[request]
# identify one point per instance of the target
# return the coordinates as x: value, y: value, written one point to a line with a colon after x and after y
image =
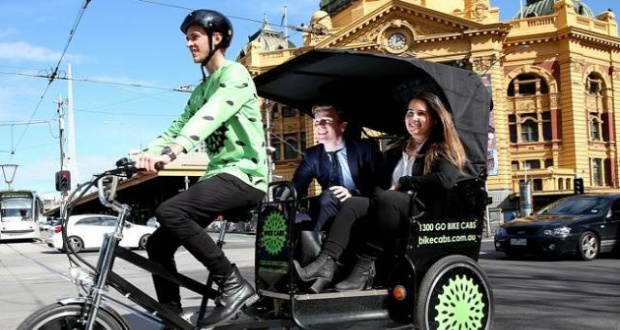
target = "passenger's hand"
x: 147, y: 162
x: 395, y: 186
x: 340, y: 192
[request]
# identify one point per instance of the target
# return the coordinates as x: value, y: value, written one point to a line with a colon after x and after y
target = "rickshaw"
x: 431, y: 280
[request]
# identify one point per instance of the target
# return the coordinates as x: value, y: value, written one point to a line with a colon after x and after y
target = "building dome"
x: 536, y: 8
x: 267, y: 39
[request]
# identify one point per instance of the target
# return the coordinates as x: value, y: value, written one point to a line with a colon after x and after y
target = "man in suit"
x: 342, y: 167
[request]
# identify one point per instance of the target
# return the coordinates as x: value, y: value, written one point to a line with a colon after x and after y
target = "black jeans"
x: 389, y: 216
x: 182, y: 221
x: 329, y: 206
x: 338, y: 237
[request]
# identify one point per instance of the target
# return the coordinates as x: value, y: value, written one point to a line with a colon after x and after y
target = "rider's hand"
x: 147, y: 162
x: 340, y: 192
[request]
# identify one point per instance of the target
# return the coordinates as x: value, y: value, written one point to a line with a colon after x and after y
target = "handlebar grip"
x: 159, y: 166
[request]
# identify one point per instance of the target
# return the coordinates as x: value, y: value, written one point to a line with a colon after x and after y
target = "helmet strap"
x: 212, y: 51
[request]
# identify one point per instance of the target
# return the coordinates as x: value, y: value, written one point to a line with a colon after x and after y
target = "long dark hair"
x: 444, y: 140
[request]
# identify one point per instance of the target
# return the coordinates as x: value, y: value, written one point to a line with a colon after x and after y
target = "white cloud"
x: 20, y: 51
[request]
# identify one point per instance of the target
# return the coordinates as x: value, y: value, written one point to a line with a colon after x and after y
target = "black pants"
x: 182, y: 221
x: 390, y: 211
x: 329, y: 206
x: 351, y: 210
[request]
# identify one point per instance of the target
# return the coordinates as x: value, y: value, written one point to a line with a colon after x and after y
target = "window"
x: 275, y: 112
x: 277, y: 146
x: 537, y: 185
x: 288, y: 112
x: 302, y: 141
x: 561, y: 184
x: 514, y: 165
x: 532, y: 164
x: 548, y: 162
x: 546, y: 125
x: 290, y: 146
x: 594, y: 84
x: 512, y: 123
x: 527, y: 84
x: 88, y: 222
x: 595, y: 127
x: 529, y: 131
x: 597, y: 172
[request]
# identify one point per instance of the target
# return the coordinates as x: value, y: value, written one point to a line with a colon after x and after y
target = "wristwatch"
x: 168, y: 152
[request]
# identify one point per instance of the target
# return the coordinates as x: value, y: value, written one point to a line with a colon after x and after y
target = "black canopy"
x: 372, y: 89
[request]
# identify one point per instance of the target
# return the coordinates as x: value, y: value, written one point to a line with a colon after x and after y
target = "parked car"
x: 85, y: 232
x: 585, y: 225
x: 49, y: 224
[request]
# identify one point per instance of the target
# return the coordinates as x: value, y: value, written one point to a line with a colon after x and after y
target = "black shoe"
x: 310, y: 242
x: 361, y: 276
x: 235, y: 294
x: 321, y: 271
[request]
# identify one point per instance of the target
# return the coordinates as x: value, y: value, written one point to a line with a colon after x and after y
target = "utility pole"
x: 71, y: 126
x: 61, y: 129
x: 61, y: 137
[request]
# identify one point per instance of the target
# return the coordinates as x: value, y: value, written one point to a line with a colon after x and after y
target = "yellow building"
x: 552, y: 71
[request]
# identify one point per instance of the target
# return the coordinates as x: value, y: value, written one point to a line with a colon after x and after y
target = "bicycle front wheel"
x: 69, y: 317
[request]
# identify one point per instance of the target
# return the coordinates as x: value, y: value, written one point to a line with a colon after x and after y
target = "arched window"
x: 529, y: 131
x: 527, y: 84
x: 290, y: 146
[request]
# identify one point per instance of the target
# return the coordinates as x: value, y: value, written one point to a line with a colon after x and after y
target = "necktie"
x: 335, y: 172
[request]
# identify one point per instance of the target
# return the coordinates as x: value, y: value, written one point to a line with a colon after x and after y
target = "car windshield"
x: 577, y: 205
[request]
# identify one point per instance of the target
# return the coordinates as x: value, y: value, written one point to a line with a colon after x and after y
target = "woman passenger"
x: 426, y: 162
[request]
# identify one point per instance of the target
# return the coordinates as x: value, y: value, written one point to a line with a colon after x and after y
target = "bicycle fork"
x: 104, y: 266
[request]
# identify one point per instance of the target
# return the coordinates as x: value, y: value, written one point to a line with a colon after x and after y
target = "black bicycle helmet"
x: 211, y: 21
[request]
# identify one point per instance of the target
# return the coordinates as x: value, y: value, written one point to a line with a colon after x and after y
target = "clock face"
x: 397, y: 41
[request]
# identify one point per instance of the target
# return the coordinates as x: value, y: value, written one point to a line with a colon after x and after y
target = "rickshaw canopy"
x: 373, y: 90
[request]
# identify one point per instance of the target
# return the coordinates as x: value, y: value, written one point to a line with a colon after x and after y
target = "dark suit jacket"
x: 363, y: 157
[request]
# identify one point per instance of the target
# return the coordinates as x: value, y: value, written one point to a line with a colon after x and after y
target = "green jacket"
x: 224, y: 112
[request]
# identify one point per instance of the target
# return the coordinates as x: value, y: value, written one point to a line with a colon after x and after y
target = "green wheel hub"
x: 460, y: 305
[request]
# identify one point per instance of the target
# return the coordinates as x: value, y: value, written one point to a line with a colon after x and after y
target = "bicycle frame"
x: 104, y: 276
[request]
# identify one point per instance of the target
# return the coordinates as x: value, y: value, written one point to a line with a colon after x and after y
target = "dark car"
x: 585, y: 225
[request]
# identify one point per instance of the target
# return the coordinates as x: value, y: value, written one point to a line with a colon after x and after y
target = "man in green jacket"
x: 223, y: 111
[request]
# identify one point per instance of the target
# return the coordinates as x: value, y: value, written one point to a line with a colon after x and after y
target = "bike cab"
x: 433, y: 267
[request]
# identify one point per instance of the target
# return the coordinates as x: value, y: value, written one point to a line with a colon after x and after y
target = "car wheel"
x: 588, y: 246
x: 143, y: 241
x: 75, y: 244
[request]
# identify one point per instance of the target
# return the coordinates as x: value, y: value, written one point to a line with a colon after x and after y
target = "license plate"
x: 518, y: 241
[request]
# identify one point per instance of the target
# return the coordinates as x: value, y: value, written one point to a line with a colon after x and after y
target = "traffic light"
x: 578, y: 186
x: 63, y: 181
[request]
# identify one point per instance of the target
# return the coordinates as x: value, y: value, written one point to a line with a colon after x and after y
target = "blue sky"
x: 127, y: 42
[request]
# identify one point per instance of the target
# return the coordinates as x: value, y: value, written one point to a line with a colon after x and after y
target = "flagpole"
x: 285, y: 21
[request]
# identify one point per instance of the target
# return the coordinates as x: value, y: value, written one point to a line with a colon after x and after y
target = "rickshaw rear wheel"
x: 454, y: 294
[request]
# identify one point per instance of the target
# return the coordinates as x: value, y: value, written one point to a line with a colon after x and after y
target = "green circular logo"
x: 460, y: 305
x: 274, y: 233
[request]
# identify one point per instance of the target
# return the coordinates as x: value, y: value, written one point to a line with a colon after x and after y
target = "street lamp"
x: 8, y: 171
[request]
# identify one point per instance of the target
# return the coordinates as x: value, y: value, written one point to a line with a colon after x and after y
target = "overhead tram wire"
x: 290, y: 26
x: 183, y: 89
x: 55, y: 71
